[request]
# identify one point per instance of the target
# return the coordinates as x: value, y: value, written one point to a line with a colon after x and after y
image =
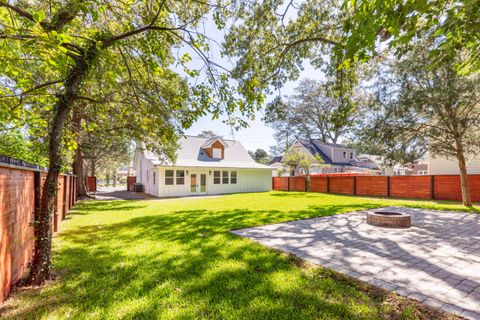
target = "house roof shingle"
x: 313, y: 146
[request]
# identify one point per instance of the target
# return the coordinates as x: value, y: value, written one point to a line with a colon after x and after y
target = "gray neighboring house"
x: 338, y: 157
x: 276, y: 164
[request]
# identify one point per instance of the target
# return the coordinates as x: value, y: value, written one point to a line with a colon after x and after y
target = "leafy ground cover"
x: 176, y: 259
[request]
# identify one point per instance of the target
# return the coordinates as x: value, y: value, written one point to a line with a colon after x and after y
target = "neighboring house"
x: 338, y: 157
x: 418, y: 168
x: 440, y: 165
x: 276, y: 165
x: 125, y: 170
x: 203, y: 166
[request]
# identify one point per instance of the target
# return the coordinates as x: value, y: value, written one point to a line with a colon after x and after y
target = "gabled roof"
x: 275, y: 160
x: 209, y: 142
x: 313, y: 146
x: 191, y: 153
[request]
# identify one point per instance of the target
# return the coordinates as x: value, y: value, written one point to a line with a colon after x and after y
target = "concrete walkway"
x: 118, y: 193
x: 437, y: 261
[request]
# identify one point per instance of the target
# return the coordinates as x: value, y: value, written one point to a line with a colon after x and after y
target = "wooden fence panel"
x: 17, y: 206
x: 20, y: 195
x: 280, y: 183
x: 92, y: 184
x: 342, y: 185
x: 444, y: 187
x: 372, y: 186
x: 131, y: 180
x: 297, y: 183
x: 318, y: 184
x: 415, y: 187
x: 447, y: 187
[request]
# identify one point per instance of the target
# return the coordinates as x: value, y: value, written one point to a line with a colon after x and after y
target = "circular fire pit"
x: 389, y: 219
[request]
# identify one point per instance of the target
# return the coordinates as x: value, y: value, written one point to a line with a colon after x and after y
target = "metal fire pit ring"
x: 389, y: 219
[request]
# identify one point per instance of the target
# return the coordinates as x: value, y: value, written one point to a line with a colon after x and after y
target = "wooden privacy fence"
x: 131, y: 180
x: 21, y: 185
x: 437, y: 187
x: 91, y: 184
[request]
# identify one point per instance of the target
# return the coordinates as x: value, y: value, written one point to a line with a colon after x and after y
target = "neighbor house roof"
x: 313, y: 146
x: 191, y: 153
x: 275, y: 160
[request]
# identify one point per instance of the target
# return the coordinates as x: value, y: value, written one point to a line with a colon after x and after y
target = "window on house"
x: 344, y: 154
x: 180, y: 177
x: 216, y: 177
x: 153, y: 177
x: 351, y: 155
x: 224, y: 177
x: 148, y: 176
x: 233, y: 177
x: 217, y: 153
x: 168, y: 177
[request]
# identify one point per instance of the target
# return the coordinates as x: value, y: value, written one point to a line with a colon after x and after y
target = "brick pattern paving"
x: 437, y: 261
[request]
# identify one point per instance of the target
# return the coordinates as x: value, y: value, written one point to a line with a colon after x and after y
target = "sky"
x: 258, y: 135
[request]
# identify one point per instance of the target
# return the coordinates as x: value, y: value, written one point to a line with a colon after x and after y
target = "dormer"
x: 215, y: 148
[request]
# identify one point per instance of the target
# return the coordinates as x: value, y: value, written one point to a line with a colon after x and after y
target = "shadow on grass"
x: 93, y: 206
x: 186, y: 264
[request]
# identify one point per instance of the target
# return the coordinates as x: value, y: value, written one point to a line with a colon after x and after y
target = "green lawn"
x: 175, y: 258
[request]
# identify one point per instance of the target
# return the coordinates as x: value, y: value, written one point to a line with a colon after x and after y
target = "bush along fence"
x: 21, y: 185
x: 432, y: 187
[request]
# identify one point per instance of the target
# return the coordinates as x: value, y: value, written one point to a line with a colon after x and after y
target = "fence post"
x: 288, y: 183
x: 432, y: 187
x: 328, y: 184
x: 354, y: 185
x: 388, y: 186
x: 64, y: 204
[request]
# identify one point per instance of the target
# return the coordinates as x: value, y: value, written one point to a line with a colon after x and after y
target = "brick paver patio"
x: 437, y: 261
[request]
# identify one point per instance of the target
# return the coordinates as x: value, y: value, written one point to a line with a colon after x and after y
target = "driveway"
x: 437, y: 261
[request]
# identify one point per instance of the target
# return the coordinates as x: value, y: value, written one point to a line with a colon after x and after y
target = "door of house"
x: 198, y: 183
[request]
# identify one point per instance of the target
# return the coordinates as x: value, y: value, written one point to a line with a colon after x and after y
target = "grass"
x: 176, y: 259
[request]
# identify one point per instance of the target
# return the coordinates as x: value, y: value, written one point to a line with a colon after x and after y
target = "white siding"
x: 446, y: 166
x: 248, y: 180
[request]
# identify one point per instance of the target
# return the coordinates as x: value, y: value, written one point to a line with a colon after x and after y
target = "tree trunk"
x: 79, y: 171
x: 40, y: 267
x: 41, y: 264
x: 463, y: 177
x: 114, y: 175
x: 93, y: 167
x: 78, y: 165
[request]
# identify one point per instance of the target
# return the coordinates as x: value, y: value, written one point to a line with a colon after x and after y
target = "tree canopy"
x: 415, y: 109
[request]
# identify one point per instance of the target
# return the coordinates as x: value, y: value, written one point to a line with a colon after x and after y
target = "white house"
x: 440, y: 165
x: 204, y: 166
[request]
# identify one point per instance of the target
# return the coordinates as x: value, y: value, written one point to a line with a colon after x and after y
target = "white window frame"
x: 233, y: 177
x: 225, y: 177
x: 179, y: 176
x: 216, y: 153
x: 217, y: 180
x: 172, y: 177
